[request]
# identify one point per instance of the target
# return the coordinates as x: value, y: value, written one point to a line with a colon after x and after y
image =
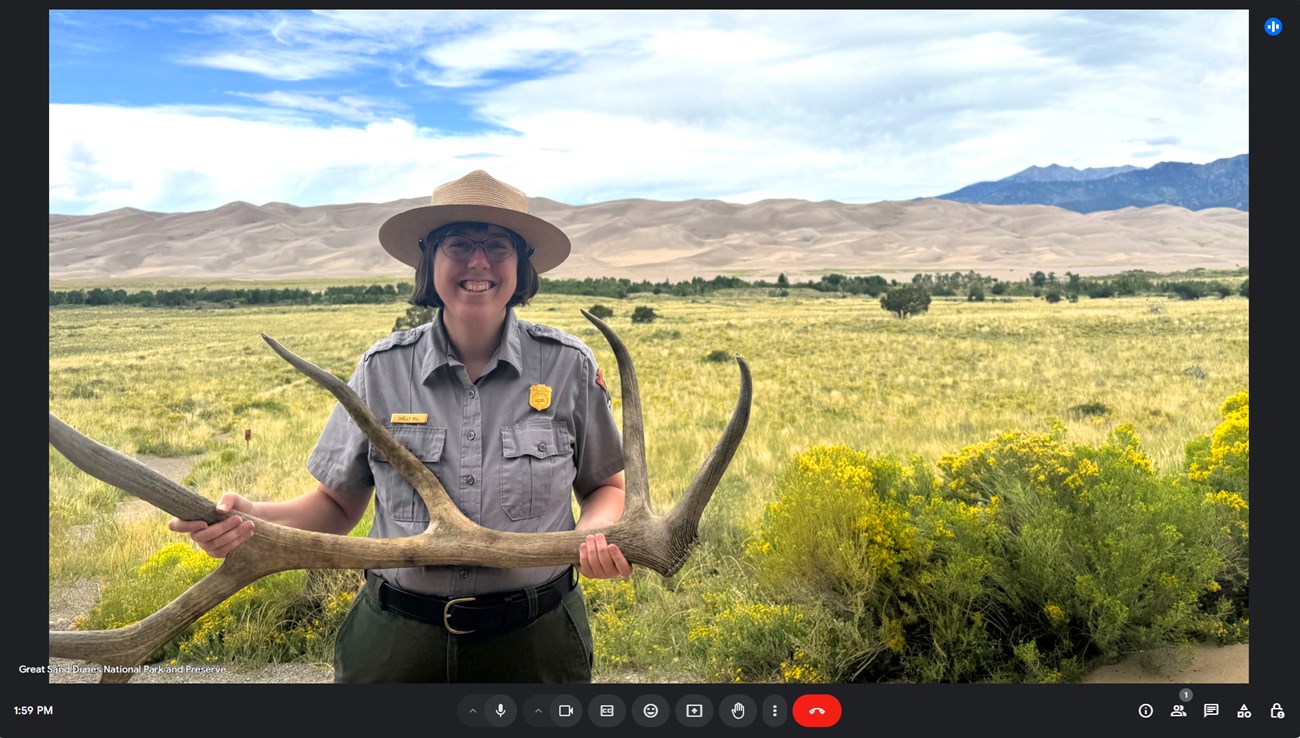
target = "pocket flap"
x: 424, y: 441
x: 539, y: 441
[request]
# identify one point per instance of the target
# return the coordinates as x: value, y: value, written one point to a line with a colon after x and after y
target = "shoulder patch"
x: 400, y: 338
x: 600, y: 380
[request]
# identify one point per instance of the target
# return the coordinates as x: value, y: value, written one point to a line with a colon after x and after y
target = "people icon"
x: 1178, y: 711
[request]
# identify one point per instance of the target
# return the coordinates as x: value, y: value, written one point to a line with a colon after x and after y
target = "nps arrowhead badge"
x: 539, y: 396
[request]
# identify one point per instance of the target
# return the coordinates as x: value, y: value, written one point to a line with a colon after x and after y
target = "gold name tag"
x: 410, y: 418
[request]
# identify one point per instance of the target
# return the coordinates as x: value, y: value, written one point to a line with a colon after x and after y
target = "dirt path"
x: 1203, y: 664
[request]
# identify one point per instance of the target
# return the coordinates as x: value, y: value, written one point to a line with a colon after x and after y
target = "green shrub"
x: 718, y: 355
x: 602, y: 312
x: 1090, y: 409
x: 643, y: 314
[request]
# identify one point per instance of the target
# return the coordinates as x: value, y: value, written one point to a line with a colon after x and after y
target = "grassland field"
x: 827, y: 370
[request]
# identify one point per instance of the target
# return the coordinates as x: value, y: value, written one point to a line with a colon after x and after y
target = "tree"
x: 781, y: 280
x: 643, y: 314
x: 1053, y: 294
x: 1188, y: 290
x: 415, y: 316
x: 1244, y: 290
x: 975, y: 293
x: 1039, y: 279
x: 1073, y: 287
x: 906, y: 300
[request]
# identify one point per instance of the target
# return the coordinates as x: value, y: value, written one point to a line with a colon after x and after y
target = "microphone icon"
x: 501, y: 710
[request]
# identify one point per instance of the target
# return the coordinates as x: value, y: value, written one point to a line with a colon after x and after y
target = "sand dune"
x: 649, y: 239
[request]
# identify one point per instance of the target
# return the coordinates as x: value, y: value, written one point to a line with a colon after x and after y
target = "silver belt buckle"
x: 446, y: 615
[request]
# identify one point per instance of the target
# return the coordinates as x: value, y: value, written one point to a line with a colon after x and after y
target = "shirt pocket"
x: 398, y: 496
x: 537, y: 469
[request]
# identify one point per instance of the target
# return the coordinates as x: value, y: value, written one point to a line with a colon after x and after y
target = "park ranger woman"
x: 512, y: 417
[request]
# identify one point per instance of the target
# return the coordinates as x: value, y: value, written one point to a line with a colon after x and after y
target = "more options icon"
x: 816, y: 710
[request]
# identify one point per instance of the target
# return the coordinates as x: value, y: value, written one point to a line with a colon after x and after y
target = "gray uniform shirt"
x: 504, y: 463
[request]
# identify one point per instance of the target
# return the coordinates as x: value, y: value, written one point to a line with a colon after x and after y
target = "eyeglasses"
x: 461, y: 248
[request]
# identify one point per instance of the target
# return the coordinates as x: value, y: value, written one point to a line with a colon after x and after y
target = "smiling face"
x: 476, y: 290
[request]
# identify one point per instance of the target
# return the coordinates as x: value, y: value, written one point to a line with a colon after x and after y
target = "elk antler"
x: 659, y: 543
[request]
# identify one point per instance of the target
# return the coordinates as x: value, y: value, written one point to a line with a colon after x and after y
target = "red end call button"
x: 816, y: 711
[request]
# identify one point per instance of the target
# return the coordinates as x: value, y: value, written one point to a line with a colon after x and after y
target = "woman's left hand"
x: 600, y: 560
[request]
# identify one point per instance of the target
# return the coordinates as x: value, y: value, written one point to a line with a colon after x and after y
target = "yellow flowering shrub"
x: 267, y: 621
x: 874, y: 542
x: 1222, y: 459
x: 745, y: 641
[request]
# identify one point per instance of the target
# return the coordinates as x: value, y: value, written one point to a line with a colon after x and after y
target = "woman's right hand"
x: 219, y: 538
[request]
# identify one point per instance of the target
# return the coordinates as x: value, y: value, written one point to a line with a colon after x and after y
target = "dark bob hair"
x: 426, y: 295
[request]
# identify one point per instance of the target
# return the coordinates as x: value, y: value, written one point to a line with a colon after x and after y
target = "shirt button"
x: 471, y: 394
x: 464, y: 573
x: 471, y: 435
x: 469, y: 480
x: 541, y: 447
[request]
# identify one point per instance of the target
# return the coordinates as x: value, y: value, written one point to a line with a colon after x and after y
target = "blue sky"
x: 188, y: 110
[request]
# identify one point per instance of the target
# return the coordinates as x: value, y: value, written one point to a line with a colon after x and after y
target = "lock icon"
x: 1276, y: 712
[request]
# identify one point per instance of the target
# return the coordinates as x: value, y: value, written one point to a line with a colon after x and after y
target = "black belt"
x: 477, y: 614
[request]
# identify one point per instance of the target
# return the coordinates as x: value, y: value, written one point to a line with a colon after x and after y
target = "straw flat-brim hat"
x: 476, y: 197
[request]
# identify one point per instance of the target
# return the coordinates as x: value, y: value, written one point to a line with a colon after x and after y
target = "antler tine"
x: 678, y: 532
x: 637, y: 478
x: 412, y: 469
x: 687, y: 511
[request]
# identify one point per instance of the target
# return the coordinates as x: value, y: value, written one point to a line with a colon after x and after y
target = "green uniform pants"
x: 375, y: 645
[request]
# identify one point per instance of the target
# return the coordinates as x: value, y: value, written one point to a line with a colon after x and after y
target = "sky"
x: 187, y: 110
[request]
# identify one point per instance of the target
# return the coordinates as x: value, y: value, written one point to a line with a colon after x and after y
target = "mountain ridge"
x: 1220, y: 183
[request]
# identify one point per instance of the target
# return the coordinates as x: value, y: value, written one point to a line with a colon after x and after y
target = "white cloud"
x: 855, y: 106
